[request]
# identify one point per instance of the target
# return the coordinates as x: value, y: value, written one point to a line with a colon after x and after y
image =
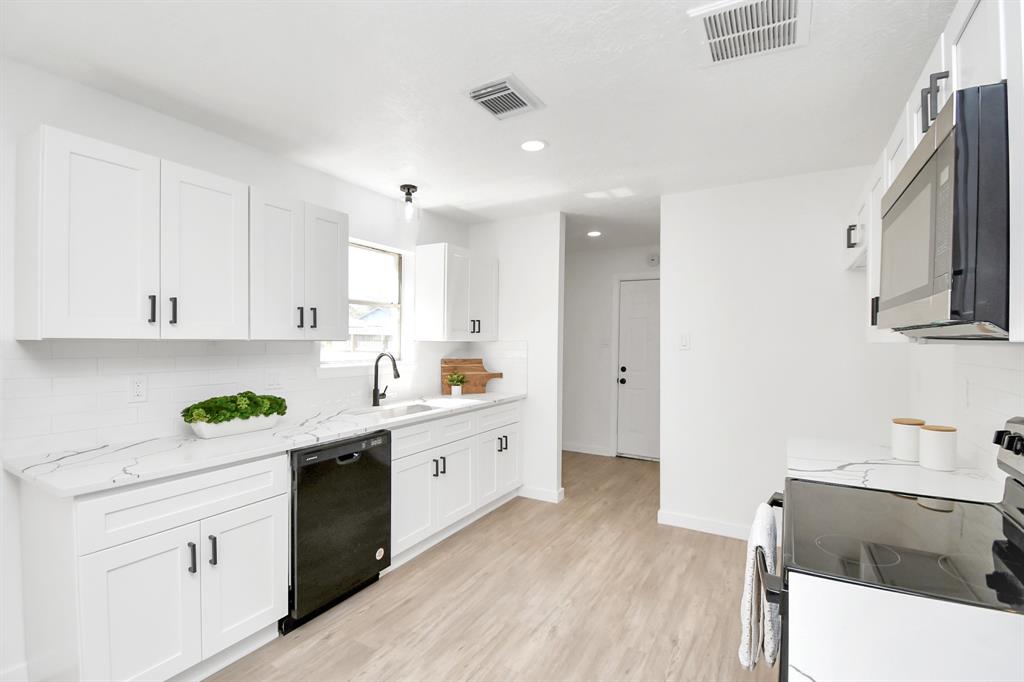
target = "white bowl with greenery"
x: 230, y: 415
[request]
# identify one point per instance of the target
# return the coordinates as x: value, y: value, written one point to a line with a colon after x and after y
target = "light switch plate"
x: 684, y: 342
x: 274, y: 378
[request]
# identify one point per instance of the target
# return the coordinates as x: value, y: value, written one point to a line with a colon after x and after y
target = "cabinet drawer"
x: 119, y: 517
x: 456, y: 428
x: 409, y: 440
x: 496, y: 417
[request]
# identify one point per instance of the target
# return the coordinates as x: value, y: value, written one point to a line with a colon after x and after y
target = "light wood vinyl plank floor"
x: 590, y: 589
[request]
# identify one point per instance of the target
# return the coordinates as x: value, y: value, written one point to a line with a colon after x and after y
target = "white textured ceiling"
x: 375, y: 92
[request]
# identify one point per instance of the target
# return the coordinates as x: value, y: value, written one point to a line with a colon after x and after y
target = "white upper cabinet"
x: 326, y: 274
x: 897, y: 149
x: 88, y: 239
x: 456, y: 294
x: 299, y: 270
x: 977, y: 42
x: 277, y: 265
x: 204, y: 255
x: 920, y: 105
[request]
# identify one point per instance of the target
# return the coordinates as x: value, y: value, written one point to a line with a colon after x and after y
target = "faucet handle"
x: 384, y: 393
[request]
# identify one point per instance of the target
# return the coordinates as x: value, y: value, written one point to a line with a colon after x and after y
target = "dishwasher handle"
x: 344, y: 451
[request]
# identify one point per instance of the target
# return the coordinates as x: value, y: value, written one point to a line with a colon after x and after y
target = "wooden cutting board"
x: 476, y: 376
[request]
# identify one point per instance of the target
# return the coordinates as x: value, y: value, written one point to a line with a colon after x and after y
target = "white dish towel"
x: 759, y: 620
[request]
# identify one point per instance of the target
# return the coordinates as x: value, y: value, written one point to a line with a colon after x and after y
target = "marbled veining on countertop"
x: 873, y: 466
x: 67, y: 473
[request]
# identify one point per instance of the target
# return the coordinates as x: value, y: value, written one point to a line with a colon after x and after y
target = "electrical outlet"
x: 138, y: 388
x: 274, y: 378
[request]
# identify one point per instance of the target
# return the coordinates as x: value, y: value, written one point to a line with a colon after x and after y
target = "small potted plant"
x: 228, y: 415
x: 455, y: 381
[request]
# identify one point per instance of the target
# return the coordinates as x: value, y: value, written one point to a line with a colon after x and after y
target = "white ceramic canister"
x: 905, y: 434
x: 937, y: 448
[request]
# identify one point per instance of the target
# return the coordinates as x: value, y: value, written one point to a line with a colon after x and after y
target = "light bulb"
x: 410, y: 211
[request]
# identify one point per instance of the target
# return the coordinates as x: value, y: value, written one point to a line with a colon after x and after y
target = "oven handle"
x: 771, y: 583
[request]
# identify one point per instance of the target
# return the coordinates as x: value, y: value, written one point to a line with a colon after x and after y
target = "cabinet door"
x: 326, y: 274
x: 485, y: 466
x: 897, y: 150
x: 483, y: 298
x: 510, y: 460
x: 413, y: 503
x: 456, y: 291
x: 245, y: 572
x: 140, y: 607
x: 917, y: 113
x: 978, y: 43
x: 277, y: 257
x: 100, y: 246
x: 455, y: 483
x: 204, y: 255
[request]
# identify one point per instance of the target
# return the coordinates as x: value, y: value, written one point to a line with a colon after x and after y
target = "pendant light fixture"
x: 409, y: 211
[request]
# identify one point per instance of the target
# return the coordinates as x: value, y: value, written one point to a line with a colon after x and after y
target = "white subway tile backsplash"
x: 25, y: 388
x: 82, y: 421
x: 90, y: 384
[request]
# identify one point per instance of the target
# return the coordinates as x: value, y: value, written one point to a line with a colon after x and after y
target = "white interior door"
x: 638, y: 371
x: 204, y: 254
x: 277, y: 251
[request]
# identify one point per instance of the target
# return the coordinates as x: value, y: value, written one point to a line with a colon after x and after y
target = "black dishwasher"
x: 341, y: 522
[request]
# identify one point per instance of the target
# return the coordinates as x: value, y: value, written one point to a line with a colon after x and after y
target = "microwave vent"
x: 734, y: 29
x: 505, y: 98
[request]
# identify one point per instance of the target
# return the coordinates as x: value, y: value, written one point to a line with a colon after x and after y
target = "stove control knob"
x: 1001, y: 434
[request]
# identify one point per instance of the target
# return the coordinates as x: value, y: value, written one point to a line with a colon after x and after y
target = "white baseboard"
x: 543, y: 494
x: 15, y: 673
x: 222, y: 659
x: 587, y: 449
x: 704, y: 525
x: 424, y: 545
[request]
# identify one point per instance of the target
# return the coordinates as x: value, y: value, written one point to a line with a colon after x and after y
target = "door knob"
x: 622, y: 381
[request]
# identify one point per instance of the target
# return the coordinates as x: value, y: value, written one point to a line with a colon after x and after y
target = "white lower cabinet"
x: 196, y: 564
x: 140, y: 608
x: 434, y: 488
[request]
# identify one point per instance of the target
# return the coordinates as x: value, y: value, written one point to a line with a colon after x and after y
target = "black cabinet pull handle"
x: 933, y: 92
x: 302, y: 317
x: 174, y: 310
x: 479, y: 326
x: 850, y: 243
x: 622, y: 381
x: 505, y: 438
x: 501, y: 444
x: 925, y: 118
x: 213, y: 550
x: 152, y: 308
x: 444, y: 465
x: 313, y: 325
x: 192, y: 553
x: 435, y: 468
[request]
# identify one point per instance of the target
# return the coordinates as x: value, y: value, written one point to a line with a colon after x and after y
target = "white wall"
x: 530, y: 293
x: 972, y: 386
x: 753, y: 274
x: 56, y: 394
x: 590, y: 390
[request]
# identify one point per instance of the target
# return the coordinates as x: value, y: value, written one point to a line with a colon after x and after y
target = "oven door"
x: 917, y: 237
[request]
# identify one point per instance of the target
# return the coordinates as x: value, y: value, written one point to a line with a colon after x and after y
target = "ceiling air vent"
x: 504, y: 98
x: 733, y: 29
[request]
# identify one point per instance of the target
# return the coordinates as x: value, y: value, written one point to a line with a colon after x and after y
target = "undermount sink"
x: 451, y: 402
x: 400, y: 410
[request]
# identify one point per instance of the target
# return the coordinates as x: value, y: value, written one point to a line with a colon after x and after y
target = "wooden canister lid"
x: 937, y: 427
x: 907, y: 421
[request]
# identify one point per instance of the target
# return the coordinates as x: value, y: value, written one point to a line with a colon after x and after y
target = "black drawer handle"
x: 501, y: 444
x: 302, y: 317
x: 192, y: 553
x: 152, y: 308
x: 213, y: 550
x: 313, y: 325
x: 174, y: 310
x: 444, y: 465
x: 505, y: 438
x: 435, y: 468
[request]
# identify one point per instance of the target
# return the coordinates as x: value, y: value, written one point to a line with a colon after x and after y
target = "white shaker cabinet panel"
x: 977, y: 45
x: 244, y: 566
x: 485, y: 467
x: 456, y: 294
x: 510, y: 459
x: 204, y: 255
x: 483, y: 298
x: 919, y: 109
x: 88, y: 239
x: 326, y: 274
x: 897, y: 150
x: 413, y: 499
x: 140, y: 607
x: 455, y: 481
x: 277, y: 250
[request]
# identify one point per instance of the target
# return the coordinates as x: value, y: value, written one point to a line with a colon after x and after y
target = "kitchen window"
x: 374, y: 308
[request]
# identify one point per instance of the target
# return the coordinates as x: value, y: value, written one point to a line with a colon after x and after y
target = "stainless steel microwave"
x: 945, y: 264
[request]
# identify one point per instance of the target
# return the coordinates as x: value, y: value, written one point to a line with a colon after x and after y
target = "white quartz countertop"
x: 873, y: 466
x: 68, y: 473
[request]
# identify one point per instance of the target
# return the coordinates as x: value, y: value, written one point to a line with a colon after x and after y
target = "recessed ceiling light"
x: 596, y: 195
x: 593, y: 233
x: 533, y: 145
x: 621, y: 192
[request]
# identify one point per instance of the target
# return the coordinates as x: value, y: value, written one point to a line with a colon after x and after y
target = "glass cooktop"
x: 948, y: 549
